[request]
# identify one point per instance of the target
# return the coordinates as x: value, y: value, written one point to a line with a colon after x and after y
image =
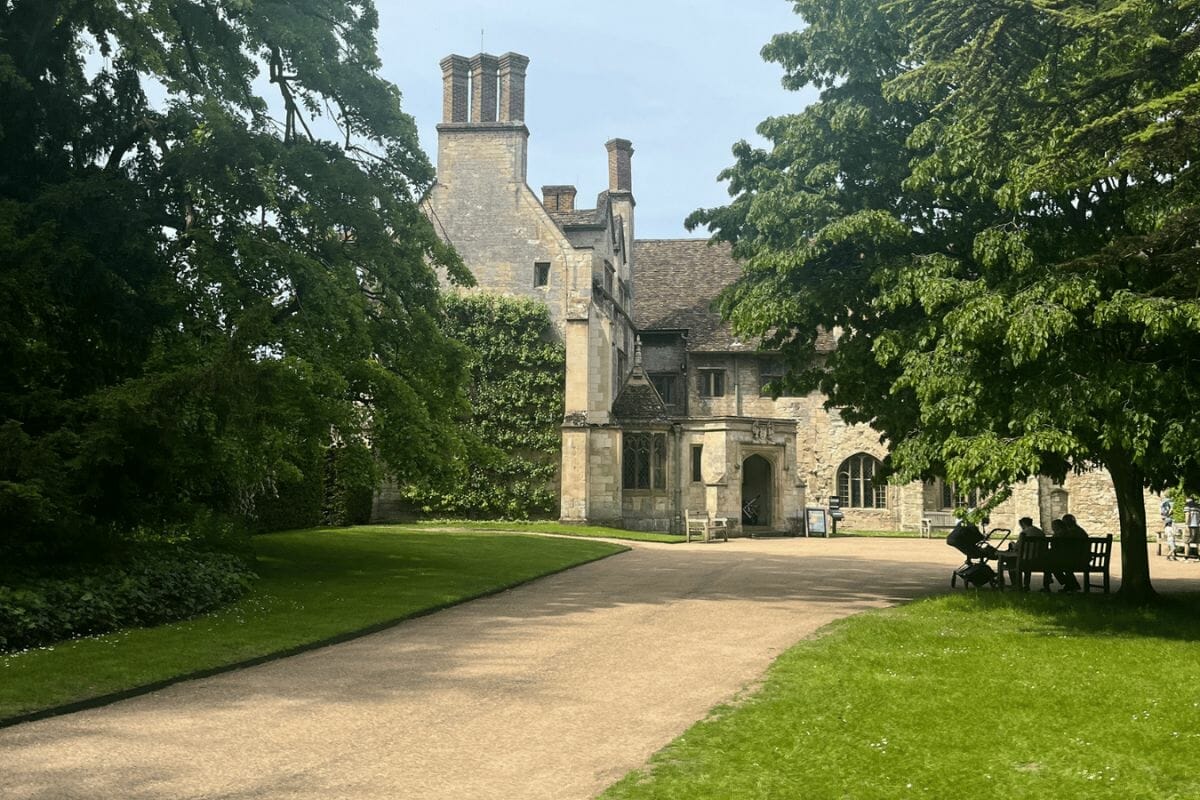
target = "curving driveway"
x: 552, y: 690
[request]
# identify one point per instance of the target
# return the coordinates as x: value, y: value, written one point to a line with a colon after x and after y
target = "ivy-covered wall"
x: 517, y: 374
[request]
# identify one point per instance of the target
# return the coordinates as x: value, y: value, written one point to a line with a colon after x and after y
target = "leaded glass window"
x: 856, y: 482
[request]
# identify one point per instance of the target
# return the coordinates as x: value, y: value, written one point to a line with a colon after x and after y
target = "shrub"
x: 149, y: 587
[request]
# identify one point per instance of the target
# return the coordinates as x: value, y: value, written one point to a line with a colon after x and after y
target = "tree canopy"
x: 212, y: 261
x: 996, y: 205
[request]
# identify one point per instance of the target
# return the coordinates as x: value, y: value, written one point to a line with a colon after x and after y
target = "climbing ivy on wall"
x: 516, y: 391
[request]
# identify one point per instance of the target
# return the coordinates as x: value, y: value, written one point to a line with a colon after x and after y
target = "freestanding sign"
x: 814, y: 522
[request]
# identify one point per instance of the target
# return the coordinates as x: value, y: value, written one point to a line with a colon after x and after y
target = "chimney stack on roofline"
x: 483, y: 88
x: 558, y: 198
x: 512, y: 87
x: 485, y: 70
x: 620, y: 166
x: 455, y: 85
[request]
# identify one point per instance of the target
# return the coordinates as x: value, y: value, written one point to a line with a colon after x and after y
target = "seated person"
x: 1069, y: 541
x: 1027, y: 529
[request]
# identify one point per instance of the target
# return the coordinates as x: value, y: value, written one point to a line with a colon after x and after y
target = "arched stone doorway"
x: 758, y: 496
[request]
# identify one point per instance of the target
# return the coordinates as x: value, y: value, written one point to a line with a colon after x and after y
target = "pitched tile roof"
x: 586, y: 217
x: 639, y: 400
x: 676, y: 282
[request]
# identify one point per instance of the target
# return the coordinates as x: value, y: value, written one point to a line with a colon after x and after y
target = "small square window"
x: 712, y: 382
x: 664, y: 382
x: 541, y: 273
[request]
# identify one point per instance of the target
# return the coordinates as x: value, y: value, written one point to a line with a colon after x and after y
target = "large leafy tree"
x: 997, y: 205
x: 212, y: 263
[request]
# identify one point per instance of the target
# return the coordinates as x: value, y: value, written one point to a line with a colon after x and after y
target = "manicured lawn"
x: 552, y: 527
x: 314, y: 586
x: 975, y: 696
x: 885, y: 534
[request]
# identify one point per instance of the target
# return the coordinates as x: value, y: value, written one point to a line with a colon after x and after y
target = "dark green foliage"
x: 350, y: 477
x: 996, y: 204
x: 293, y: 505
x: 337, y: 487
x: 146, y: 588
x: 199, y: 295
x: 516, y: 392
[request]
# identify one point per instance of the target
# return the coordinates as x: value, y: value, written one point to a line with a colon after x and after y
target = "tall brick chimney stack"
x: 482, y: 136
x: 512, y: 87
x: 620, y: 157
x: 485, y: 70
x: 455, y: 102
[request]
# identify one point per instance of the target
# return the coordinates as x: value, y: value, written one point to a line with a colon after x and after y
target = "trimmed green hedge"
x: 147, y: 588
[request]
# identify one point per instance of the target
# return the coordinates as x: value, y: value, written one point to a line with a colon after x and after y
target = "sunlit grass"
x: 982, y: 695
x: 544, y: 526
x: 314, y: 585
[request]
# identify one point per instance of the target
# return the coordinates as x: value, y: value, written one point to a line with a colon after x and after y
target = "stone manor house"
x: 665, y: 409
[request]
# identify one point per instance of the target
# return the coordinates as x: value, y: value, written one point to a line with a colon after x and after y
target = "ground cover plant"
x: 313, y: 586
x: 983, y: 695
x: 545, y: 526
x: 143, y: 588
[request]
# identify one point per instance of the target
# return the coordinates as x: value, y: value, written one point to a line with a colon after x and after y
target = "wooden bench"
x: 937, y: 520
x: 1090, y: 556
x: 705, y: 527
x: 1185, y: 547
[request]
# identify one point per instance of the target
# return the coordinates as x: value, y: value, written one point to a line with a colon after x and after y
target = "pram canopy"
x: 965, y: 538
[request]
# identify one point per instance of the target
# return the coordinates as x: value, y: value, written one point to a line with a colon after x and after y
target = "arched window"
x: 644, y: 461
x: 856, y: 482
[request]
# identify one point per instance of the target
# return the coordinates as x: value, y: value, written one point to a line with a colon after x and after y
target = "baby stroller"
x: 972, y: 543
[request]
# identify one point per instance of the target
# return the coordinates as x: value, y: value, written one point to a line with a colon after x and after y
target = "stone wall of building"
x: 481, y: 190
x: 604, y: 476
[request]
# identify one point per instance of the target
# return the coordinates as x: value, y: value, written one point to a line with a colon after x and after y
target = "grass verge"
x: 551, y: 527
x: 983, y: 695
x: 314, y: 586
x: 884, y: 534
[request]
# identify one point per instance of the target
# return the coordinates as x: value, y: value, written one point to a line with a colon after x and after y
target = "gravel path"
x: 552, y: 690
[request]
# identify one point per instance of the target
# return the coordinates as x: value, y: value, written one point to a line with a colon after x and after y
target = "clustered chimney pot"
x: 512, y: 87
x: 620, y: 165
x: 485, y: 70
x: 455, y: 102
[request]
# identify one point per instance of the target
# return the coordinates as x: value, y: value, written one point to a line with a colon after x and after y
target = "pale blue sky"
x: 682, y: 80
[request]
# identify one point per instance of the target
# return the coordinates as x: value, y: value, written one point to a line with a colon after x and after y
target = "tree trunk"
x: 1131, y: 508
